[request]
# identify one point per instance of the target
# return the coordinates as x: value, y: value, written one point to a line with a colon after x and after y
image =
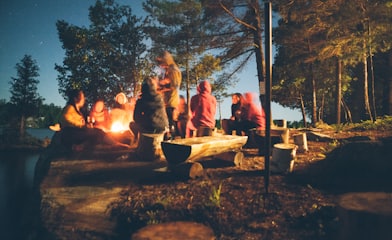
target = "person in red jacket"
x: 203, y: 108
x: 255, y: 116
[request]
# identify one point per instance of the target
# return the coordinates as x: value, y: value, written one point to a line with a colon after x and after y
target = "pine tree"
x: 24, y: 94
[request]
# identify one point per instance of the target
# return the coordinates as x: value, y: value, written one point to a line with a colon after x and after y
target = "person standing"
x: 203, y: 108
x: 169, y: 87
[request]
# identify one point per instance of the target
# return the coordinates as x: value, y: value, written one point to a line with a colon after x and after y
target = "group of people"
x: 158, y: 109
x: 78, y: 134
x: 245, y: 115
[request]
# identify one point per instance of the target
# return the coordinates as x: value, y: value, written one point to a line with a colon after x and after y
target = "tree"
x: 49, y: 114
x: 177, y: 26
x: 236, y: 30
x: 24, y: 94
x: 228, y: 30
x: 107, y: 57
x: 322, y: 32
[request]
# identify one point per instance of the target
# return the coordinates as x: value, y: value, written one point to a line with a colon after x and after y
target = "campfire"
x: 120, y: 120
x: 120, y: 131
x: 118, y: 126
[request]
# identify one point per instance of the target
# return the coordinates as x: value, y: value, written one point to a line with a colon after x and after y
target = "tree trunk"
x: 22, y: 127
x: 347, y: 112
x: 372, y: 75
x: 368, y: 113
x: 321, y: 109
x: 374, y: 112
x: 314, y: 96
x: 338, y: 90
x: 303, y: 110
x: 389, y: 110
x: 188, y: 94
x: 259, y: 53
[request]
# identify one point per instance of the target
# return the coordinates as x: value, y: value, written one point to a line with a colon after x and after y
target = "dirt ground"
x: 234, y: 203
x: 231, y: 200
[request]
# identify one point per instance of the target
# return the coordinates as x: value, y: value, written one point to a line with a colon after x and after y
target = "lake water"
x: 16, y: 179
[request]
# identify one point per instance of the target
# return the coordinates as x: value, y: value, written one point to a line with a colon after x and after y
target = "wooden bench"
x: 183, y: 154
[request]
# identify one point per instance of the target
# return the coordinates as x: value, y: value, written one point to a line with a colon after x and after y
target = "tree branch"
x: 235, y: 18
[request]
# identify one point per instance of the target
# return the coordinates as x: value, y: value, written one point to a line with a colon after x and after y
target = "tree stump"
x: 175, y: 231
x: 366, y: 215
x: 149, y: 146
x: 277, y: 134
x: 188, y: 169
x: 283, y: 155
x: 301, y: 141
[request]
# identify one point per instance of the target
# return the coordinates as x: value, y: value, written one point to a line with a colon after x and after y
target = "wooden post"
x: 301, y: 141
x: 365, y: 215
x: 283, y: 155
x: 149, y: 146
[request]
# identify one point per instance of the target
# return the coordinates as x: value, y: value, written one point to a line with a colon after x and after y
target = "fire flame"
x: 118, y: 127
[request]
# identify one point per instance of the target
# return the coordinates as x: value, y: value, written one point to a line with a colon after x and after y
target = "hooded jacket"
x: 150, y: 114
x: 255, y: 113
x: 203, y: 106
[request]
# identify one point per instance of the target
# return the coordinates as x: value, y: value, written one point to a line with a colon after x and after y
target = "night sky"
x: 29, y: 27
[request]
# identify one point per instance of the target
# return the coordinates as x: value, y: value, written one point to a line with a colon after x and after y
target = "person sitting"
x: 99, y: 116
x: 122, y: 113
x: 149, y: 114
x: 203, y: 109
x: 75, y: 134
x: 255, y: 115
x: 183, y: 117
x: 238, y: 112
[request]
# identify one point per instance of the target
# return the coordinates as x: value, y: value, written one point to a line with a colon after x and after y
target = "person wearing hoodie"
x: 255, y: 117
x: 169, y: 86
x: 203, y: 108
x: 149, y: 115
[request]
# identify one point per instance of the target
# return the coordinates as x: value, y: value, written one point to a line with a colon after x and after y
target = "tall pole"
x: 268, y: 80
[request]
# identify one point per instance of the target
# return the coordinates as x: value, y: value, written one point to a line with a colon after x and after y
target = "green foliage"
x: 177, y: 26
x: 215, y: 196
x: 152, y: 217
x: 105, y: 58
x: 295, y: 124
x: 24, y: 94
x: 381, y: 124
x: 48, y: 115
x: 311, y: 36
